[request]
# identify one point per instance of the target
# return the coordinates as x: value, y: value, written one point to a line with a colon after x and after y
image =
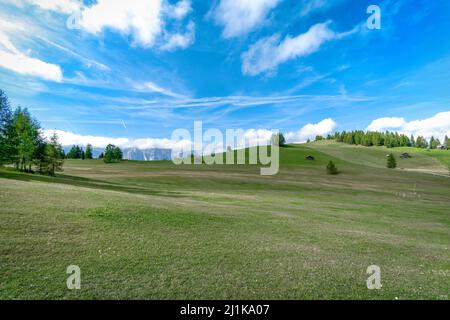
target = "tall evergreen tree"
x: 421, y: 142
x: 413, y: 141
x: 434, y: 143
x: 7, y: 149
x: 55, y: 155
x: 28, y: 138
x: 88, y: 151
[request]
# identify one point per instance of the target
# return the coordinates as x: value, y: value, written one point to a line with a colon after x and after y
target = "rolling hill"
x: 153, y: 230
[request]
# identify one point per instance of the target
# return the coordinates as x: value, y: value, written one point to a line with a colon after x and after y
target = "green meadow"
x: 154, y: 230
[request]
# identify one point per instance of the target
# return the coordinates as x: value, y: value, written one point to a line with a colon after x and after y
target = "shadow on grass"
x: 84, y: 182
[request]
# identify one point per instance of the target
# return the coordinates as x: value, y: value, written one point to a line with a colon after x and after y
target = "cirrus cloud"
x: 266, y: 54
x: 13, y: 59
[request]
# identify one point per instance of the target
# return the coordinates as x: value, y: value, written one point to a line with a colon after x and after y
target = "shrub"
x: 391, y: 163
x: 331, y: 168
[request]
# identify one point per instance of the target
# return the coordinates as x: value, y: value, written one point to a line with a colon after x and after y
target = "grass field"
x: 153, y: 230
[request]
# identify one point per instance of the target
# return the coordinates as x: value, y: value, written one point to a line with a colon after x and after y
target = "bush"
x: 331, y: 168
x: 391, y: 163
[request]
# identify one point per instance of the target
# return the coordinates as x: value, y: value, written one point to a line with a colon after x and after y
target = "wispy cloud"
x: 153, y: 87
x: 60, y: 6
x: 265, y: 55
x: 239, y: 17
x: 13, y: 59
x: 87, y: 61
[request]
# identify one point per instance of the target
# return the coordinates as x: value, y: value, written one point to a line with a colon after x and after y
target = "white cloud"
x: 139, y: 18
x: 266, y: 54
x: 238, y: 17
x: 179, y: 10
x: 437, y: 126
x: 180, y: 40
x: 14, y: 60
x: 382, y: 124
x: 310, y: 131
x: 147, y: 22
x: 69, y: 139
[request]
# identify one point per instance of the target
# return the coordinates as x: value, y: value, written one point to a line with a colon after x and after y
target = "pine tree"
x: 75, y: 153
x: 421, y: 142
x: 447, y: 142
x: 28, y: 139
x: 391, y: 162
x: 88, y: 151
x: 118, y: 155
x: 434, y: 143
x: 331, y: 168
x: 50, y: 156
x: 6, y: 148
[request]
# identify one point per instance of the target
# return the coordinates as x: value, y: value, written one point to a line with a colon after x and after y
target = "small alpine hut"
x: 310, y: 158
x: 405, y: 155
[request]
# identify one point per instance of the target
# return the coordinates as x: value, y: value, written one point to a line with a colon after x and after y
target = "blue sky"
x: 142, y: 68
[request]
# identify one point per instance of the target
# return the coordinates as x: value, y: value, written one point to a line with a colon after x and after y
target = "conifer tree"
x: 331, y: 168
x: 391, y: 162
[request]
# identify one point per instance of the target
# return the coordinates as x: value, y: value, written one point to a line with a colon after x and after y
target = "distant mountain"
x: 147, y: 154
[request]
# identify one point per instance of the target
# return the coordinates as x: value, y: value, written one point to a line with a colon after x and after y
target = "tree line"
x: 22, y: 143
x: 111, y: 153
x: 388, y: 139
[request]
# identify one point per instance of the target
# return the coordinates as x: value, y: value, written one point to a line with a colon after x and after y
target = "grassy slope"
x: 431, y: 161
x: 155, y: 230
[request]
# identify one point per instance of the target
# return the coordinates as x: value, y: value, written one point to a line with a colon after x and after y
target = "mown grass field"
x: 159, y: 231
